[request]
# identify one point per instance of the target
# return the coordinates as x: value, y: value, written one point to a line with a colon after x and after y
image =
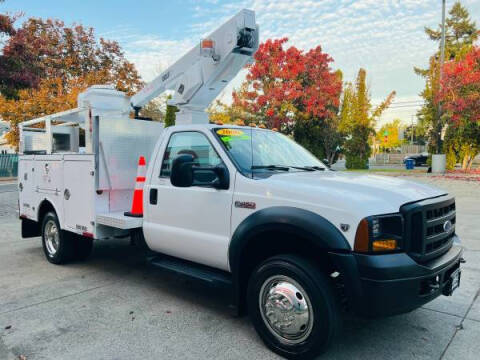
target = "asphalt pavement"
x: 114, y: 306
x: 8, y: 187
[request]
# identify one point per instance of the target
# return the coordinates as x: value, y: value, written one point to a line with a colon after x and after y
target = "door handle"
x: 153, y: 196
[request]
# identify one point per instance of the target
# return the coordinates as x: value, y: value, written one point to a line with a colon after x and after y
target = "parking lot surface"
x: 114, y: 306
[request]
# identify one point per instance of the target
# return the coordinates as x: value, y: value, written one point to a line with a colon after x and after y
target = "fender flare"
x: 304, y: 223
x: 299, y: 222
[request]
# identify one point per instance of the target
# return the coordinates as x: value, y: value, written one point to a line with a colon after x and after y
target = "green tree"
x: 460, y: 34
x: 418, y: 134
x: 155, y: 109
x: 357, y: 121
x: 170, y: 114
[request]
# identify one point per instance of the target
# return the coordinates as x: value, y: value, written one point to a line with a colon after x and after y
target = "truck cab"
x: 252, y: 204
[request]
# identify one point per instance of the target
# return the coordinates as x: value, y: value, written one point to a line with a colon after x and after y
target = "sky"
x: 386, y: 37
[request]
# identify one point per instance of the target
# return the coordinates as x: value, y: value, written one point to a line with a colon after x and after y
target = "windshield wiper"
x: 287, y: 167
x: 306, y: 168
x: 319, y: 168
x: 270, y: 167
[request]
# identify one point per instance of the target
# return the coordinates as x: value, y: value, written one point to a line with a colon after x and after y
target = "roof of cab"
x: 213, y: 126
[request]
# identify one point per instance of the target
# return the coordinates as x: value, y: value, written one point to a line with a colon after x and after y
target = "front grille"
x: 429, y: 227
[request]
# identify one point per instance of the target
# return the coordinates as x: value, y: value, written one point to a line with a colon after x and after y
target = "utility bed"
x: 85, y: 165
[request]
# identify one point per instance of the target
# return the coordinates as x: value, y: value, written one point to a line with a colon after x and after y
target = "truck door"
x: 191, y: 223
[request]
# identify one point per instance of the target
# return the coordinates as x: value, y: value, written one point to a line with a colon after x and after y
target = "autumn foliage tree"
x: 20, y: 60
x: 357, y: 120
x: 60, y: 62
x: 460, y: 35
x: 460, y: 98
x: 294, y: 91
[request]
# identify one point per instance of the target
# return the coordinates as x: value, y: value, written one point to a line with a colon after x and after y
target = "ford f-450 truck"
x: 236, y: 206
x: 251, y: 209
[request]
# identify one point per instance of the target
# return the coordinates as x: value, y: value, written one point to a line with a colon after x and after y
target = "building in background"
x: 5, y: 148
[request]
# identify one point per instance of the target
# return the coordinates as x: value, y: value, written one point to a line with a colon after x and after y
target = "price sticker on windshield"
x: 228, y: 135
x: 230, y: 132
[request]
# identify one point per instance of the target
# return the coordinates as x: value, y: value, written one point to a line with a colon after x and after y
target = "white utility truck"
x: 236, y: 206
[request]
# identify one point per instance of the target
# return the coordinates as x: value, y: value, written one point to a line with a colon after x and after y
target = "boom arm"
x: 201, y: 74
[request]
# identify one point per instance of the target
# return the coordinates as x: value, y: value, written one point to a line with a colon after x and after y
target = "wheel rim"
x: 52, y: 237
x: 286, y: 309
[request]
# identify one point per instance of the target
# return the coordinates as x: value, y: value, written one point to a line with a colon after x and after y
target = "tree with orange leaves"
x: 63, y: 61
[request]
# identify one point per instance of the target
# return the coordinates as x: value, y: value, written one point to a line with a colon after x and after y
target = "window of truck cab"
x: 250, y: 148
x: 193, y: 143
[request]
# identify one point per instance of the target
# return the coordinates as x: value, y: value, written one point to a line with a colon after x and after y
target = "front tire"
x: 293, y: 307
x: 57, y: 244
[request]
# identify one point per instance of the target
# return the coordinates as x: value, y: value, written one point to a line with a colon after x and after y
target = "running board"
x: 192, y: 270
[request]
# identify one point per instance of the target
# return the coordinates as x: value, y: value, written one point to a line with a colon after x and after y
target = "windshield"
x: 256, y: 151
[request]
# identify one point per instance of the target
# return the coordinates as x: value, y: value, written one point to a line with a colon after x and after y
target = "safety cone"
x: 137, y: 202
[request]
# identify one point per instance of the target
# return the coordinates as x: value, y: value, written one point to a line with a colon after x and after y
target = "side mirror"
x: 186, y: 173
x: 181, y: 174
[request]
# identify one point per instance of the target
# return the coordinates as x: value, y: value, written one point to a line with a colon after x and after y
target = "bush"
x: 451, y: 159
x: 356, y: 162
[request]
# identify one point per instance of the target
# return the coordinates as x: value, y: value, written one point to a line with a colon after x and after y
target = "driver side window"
x: 192, y: 143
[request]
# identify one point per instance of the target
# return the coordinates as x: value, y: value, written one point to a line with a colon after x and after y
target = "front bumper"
x: 382, y: 285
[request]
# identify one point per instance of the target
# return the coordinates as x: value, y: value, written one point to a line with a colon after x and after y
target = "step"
x: 192, y: 270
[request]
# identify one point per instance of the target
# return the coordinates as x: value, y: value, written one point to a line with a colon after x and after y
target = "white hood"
x: 361, y: 193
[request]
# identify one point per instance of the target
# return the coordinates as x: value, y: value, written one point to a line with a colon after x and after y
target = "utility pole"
x: 411, y: 130
x: 442, y: 61
x: 442, y: 42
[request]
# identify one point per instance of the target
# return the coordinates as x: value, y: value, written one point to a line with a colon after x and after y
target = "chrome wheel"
x: 286, y: 309
x: 52, y: 237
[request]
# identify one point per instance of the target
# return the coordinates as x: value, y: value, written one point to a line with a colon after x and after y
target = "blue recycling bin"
x: 409, y: 164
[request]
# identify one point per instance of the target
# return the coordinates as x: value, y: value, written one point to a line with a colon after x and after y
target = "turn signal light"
x: 384, y: 245
x: 361, y: 237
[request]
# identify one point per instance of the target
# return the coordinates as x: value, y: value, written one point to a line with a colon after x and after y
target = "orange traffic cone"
x: 137, y: 202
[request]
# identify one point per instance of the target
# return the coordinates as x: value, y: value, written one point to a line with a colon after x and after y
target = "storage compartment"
x: 78, y: 194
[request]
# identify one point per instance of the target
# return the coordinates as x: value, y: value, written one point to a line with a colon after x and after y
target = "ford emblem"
x: 447, y: 226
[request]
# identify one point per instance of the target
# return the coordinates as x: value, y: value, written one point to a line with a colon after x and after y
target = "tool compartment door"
x: 78, y: 196
x: 26, y: 185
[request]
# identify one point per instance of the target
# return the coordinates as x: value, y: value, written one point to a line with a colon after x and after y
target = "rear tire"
x: 293, y: 307
x: 57, y: 244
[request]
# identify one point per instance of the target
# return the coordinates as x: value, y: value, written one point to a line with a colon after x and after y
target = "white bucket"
x: 439, y: 162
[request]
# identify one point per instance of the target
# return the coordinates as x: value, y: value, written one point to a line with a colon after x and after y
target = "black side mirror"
x: 181, y: 174
x: 186, y: 173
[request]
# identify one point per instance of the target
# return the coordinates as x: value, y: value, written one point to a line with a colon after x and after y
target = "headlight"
x: 376, y: 234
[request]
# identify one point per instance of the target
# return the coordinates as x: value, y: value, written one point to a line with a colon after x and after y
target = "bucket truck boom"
x: 201, y: 74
